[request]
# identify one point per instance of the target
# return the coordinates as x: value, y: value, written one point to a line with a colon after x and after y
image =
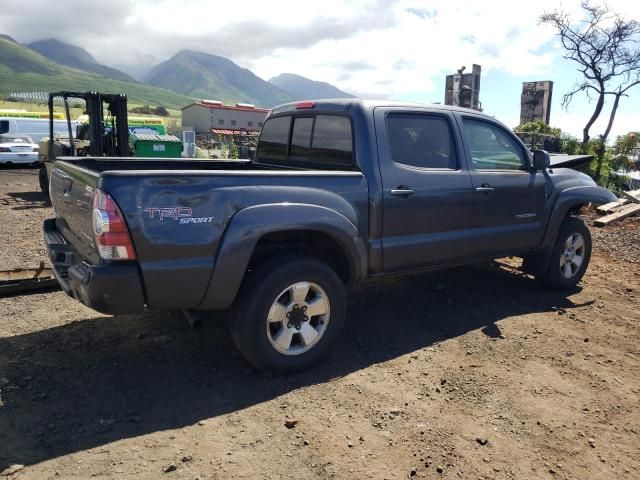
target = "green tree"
x: 538, y: 127
x: 233, y: 150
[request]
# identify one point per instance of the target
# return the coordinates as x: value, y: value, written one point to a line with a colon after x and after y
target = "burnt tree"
x: 606, y: 48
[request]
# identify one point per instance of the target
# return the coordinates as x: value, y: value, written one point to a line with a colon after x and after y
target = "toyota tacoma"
x: 339, y: 191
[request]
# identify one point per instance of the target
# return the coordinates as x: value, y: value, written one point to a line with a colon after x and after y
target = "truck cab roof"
x: 346, y: 104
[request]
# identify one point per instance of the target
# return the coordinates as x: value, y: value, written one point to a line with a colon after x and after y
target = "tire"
x: 271, y: 312
x: 43, y: 178
x: 569, y: 257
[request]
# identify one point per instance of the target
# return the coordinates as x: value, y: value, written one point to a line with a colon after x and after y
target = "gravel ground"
x: 468, y: 373
x: 621, y: 240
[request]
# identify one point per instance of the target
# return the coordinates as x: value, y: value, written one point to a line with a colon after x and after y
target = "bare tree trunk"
x: 592, y: 120
x: 605, y: 135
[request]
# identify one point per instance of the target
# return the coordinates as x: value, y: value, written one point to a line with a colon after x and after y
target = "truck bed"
x: 177, y: 253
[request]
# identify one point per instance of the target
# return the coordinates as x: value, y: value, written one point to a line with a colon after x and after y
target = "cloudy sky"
x: 376, y: 49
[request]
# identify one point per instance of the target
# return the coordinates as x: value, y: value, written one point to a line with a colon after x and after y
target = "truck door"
x: 509, y: 197
x: 427, y: 195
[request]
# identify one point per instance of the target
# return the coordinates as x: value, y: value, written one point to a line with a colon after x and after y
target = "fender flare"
x: 247, y: 226
x: 566, y: 200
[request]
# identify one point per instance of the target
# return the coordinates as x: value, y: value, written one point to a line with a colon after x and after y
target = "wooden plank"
x: 629, y: 196
x: 627, y: 211
x: 611, y: 206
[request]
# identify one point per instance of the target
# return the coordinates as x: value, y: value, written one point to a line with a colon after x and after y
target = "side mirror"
x: 541, y: 160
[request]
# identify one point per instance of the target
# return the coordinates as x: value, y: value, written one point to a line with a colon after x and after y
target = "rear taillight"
x: 36, y: 149
x: 110, y: 230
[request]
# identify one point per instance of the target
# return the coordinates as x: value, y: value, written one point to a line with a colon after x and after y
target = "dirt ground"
x: 472, y: 373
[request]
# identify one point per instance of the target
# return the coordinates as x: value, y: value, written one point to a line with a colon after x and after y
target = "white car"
x: 18, y: 149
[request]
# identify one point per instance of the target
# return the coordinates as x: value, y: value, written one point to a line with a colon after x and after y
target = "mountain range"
x: 303, y: 88
x: 203, y: 75
x: 76, y: 57
x: 48, y: 65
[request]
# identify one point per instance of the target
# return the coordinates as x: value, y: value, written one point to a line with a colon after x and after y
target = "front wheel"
x: 570, y: 256
x: 288, y: 313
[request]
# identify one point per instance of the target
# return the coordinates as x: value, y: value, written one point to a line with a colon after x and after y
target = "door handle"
x: 402, y: 191
x: 485, y: 188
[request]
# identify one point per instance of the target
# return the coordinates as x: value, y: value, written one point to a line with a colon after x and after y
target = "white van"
x: 36, y: 128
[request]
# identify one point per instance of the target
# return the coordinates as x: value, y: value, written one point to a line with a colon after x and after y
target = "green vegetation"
x: 22, y: 69
x: 538, y: 127
x: 160, y: 111
x: 233, y: 150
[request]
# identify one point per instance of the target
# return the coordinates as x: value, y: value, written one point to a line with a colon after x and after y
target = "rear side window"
x: 323, y: 141
x: 4, y: 126
x: 421, y: 140
x: 274, y: 139
x: 332, y: 143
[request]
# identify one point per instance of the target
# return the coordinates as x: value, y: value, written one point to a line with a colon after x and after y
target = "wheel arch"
x: 569, y: 202
x: 256, y: 233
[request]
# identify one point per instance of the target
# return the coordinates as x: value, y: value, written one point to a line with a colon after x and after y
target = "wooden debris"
x: 612, y: 206
x: 632, y: 196
x: 624, y: 212
x: 629, y: 196
x: 22, y: 280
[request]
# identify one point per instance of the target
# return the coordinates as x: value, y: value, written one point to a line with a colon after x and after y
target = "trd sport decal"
x: 181, y: 214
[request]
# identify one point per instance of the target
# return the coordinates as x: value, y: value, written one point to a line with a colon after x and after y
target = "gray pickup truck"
x: 340, y: 191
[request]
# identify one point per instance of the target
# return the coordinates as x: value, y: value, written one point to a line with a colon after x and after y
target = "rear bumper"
x: 107, y: 288
x: 19, y: 157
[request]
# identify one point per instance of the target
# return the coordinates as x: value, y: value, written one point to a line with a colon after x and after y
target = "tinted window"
x: 274, y: 139
x: 323, y: 141
x: 301, y: 137
x: 491, y: 147
x: 421, y: 141
x: 4, y: 126
x: 332, y: 143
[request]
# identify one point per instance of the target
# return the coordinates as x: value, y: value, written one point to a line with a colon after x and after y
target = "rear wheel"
x: 287, y: 314
x: 570, y: 255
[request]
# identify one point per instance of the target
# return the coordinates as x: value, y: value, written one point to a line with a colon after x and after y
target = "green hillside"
x: 76, y: 57
x: 209, y: 76
x: 22, y: 69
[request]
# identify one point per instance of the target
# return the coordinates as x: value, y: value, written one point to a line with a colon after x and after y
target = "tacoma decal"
x: 181, y: 214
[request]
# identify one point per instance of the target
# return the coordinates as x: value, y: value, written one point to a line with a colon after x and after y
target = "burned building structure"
x: 535, y: 102
x: 463, y: 89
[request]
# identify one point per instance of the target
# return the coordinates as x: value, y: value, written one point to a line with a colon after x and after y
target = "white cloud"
x: 375, y: 48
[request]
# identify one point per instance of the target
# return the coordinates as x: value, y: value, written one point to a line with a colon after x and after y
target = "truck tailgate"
x: 71, y: 192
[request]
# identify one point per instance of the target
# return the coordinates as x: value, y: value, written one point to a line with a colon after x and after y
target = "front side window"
x: 491, y: 147
x: 421, y: 140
